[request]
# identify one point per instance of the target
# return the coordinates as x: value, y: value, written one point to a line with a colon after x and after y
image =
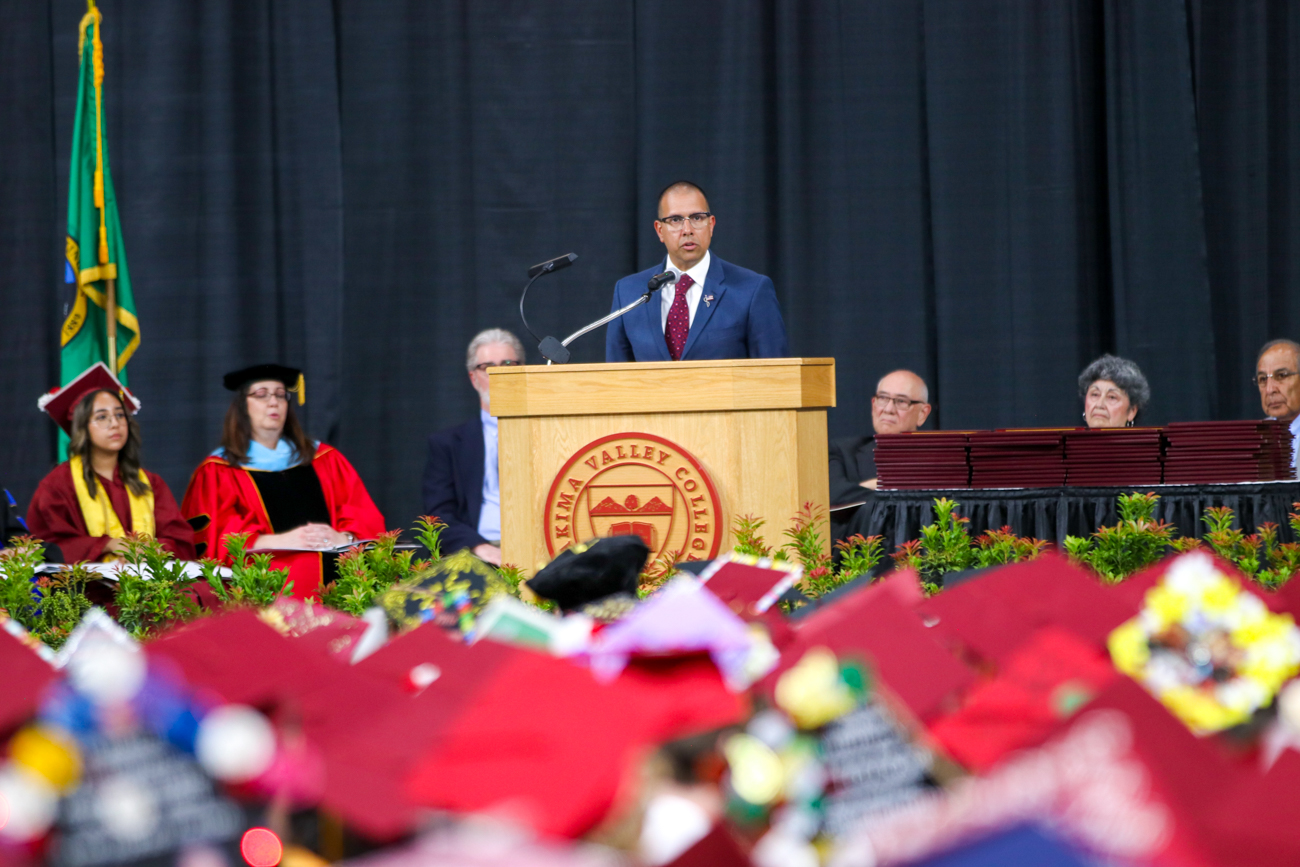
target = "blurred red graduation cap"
x: 908, y: 659
x: 26, y: 676
x: 547, y: 745
x: 994, y: 614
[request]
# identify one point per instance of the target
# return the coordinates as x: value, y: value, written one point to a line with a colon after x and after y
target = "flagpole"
x: 111, y: 311
x: 110, y: 308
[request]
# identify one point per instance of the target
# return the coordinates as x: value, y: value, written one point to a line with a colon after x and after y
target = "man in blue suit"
x: 712, y: 309
x: 461, y: 483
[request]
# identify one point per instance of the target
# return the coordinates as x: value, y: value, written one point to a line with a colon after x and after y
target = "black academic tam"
x: 237, y: 379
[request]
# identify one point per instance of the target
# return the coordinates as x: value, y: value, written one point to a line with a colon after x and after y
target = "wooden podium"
x: 671, y: 451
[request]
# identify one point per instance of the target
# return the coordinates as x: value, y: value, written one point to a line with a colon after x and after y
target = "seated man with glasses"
x: 900, y: 404
x: 1279, y: 386
x: 711, y: 310
x: 461, y: 484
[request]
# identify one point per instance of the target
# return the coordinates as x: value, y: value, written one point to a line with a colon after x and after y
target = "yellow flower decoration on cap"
x: 757, y: 774
x: 1197, y: 611
x: 812, y: 693
x: 49, y: 754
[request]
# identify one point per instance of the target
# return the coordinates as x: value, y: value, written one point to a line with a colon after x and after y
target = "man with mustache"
x: 901, y: 404
x: 1279, y: 386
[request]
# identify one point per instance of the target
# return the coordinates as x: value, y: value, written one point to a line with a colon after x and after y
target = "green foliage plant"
x: 1259, y: 555
x: 858, y: 556
x: 18, y: 564
x: 806, y: 547
x: 999, y: 547
x: 657, y: 571
x: 945, y: 546
x: 1232, y: 544
x: 945, y: 543
x: 365, y: 573
x: 62, y: 605
x: 49, y: 606
x: 1137, y: 541
x: 749, y: 542
x: 156, y: 591
x: 429, y: 532
x: 253, y: 582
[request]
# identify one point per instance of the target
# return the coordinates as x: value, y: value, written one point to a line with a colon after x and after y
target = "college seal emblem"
x: 635, y: 484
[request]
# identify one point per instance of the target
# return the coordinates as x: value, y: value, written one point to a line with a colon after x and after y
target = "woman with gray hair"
x: 1114, y: 391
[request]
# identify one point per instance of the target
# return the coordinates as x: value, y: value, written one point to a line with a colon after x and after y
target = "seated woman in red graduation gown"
x: 88, y: 504
x: 294, y: 497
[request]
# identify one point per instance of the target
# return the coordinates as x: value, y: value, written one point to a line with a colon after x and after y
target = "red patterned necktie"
x: 679, y: 319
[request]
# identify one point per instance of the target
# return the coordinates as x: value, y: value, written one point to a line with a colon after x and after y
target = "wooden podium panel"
x: 755, y: 427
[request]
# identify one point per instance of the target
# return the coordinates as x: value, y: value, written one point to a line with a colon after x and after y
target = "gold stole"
x: 98, y: 512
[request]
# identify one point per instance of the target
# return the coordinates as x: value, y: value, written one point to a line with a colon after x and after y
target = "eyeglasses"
x: 507, y: 363
x: 104, y: 418
x: 902, y: 404
x: 676, y: 221
x: 265, y: 394
x: 1261, y: 379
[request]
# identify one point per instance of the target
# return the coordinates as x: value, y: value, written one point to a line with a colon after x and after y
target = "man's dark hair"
x: 1274, y: 344
x: 683, y: 184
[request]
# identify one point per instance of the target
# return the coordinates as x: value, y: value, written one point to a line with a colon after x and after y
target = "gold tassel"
x: 302, y: 389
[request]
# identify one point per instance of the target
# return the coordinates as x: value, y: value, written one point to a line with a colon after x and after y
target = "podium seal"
x: 635, y: 484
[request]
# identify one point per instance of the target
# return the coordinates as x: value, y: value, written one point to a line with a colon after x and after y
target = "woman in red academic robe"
x: 88, y: 504
x: 293, y: 497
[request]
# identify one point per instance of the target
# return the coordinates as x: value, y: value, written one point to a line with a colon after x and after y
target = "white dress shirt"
x: 693, y: 294
x: 1295, y: 446
x: 489, y: 519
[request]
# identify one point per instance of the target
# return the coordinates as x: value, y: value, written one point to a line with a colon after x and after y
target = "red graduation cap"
x: 26, y: 676
x: 996, y: 613
x: 368, y: 764
x: 546, y: 744
x: 59, y: 403
x: 718, y: 848
x: 1043, y: 683
x: 919, y: 670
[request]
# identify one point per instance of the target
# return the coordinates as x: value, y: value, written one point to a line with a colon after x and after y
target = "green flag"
x: 96, y: 257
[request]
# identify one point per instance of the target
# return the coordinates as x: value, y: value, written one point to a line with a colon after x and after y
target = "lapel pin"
x: 707, y: 299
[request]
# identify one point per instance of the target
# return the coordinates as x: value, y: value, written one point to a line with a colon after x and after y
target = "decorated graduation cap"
x: 450, y: 592
x: 291, y: 377
x: 592, y: 571
x: 59, y: 403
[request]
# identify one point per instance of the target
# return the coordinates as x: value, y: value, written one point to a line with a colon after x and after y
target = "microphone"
x: 552, y: 265
x: 657, y: 281
x: 556, y: 264
x: 558, y: 350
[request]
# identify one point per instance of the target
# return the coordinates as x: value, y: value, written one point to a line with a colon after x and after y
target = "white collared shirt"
x: 1295, y: 446
x: 693, y: 294
x: 489, y: 519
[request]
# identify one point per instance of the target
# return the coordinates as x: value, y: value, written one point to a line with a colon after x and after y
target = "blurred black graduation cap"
x: 591, y: 571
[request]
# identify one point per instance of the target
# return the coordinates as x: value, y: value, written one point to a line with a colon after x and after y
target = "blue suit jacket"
x: 453, y: 483
x: 742, y: 321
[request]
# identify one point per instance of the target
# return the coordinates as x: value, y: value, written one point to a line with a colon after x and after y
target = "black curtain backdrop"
x: 989, y: 192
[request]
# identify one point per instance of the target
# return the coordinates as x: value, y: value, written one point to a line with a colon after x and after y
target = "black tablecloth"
x: 1053, y: 513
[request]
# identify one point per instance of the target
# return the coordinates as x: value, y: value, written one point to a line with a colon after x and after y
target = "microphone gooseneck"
x: 536, y: 271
